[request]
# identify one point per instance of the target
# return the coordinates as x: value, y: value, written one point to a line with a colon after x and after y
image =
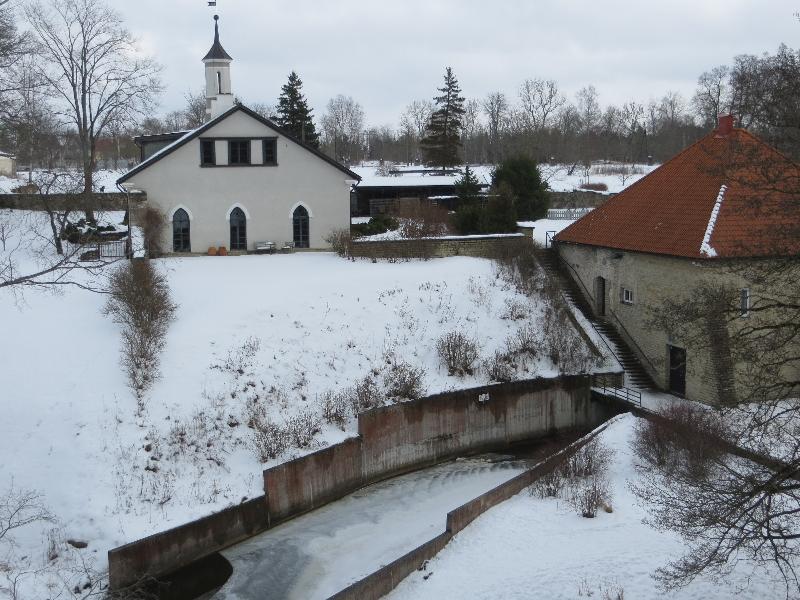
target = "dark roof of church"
x: 217, y: 52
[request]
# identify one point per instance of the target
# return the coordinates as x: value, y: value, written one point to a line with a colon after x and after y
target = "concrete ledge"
x: 78, y: 202
x: 162, y: 553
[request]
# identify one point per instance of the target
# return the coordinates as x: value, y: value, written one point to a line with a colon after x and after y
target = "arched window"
x: 238, y: 229
x: 300, y: 226
x: 181, y: 241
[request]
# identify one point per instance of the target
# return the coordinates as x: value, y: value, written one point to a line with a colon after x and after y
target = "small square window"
x: 627, y: 296
x: 744, y: 302
x: 270, y: 152
x: 239, y: 152
x: 208, y: 154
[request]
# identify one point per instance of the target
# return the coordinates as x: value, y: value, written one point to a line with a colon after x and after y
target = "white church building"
x: 239, y: 181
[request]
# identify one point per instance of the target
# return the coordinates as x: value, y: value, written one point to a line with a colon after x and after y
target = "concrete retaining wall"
x: 169, y: 550
x: 480, y: 246
x: 408, y: 436
x: 392, y: 440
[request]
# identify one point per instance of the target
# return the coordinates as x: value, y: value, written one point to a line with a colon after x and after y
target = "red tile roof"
x: 670, y: 210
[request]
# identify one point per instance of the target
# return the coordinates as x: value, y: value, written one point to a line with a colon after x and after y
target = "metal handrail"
x: 613, y: 314
x: 623, y: 393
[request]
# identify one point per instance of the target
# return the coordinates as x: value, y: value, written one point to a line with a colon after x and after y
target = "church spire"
x: 217, y: 52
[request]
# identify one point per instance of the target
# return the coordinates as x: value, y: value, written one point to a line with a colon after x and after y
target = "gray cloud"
x: 387, y: 54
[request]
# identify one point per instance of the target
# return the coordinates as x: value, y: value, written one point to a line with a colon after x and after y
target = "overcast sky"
x: 385, y: 54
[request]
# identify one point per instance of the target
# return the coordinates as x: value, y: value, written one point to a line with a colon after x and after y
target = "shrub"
x: 302, y: 428
x: 500, y: 367
x: 422, y: 219
x: 457, y: 352
x: 153, y: 222
x: 591, y: 460
x: 517, y: 264
x: 404, y: 381
x: 590, y: 494
x: 525, y: 341
x: 549, y: 485
x: 594, y: 187
x: 681, y: 436
x: 366, y: 395
x: 268, y: 439
x: 515, y: 310
x: 376, y: 225
x: 139, y: 299
x: 335, y: 406
x: 340, y: 242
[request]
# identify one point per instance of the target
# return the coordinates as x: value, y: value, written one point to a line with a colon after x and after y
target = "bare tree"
x: 418, y: 113
x: 712, y: 97
x: 342, y: 128
x: 13, y: 47
x: 195, y: 111
x: 19, y: 508
x: 94, y: 69
x: 540, y: 100
x: 470, y: 125
x: 589, y: 109
x: 495, y: 107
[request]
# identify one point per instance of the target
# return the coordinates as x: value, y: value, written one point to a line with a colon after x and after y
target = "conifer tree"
x: 442, y: 141
x: 294, y: 115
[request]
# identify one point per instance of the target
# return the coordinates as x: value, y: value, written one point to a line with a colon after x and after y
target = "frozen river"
x: 321, y: 553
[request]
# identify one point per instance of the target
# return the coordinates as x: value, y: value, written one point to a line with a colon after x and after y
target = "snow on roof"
x: 705, y: 247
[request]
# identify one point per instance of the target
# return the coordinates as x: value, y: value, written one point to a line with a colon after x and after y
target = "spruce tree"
x: 442, y: 141
x: 294, y: 115
x: 469, y: 211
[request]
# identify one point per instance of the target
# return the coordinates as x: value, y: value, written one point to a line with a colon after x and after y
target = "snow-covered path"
x: 321, y: 553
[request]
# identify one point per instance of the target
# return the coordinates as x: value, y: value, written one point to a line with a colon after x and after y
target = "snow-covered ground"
x: 560, y: 178
x: 529, y: 548
x: 271, y: 331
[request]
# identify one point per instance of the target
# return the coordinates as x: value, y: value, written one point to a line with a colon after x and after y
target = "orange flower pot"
x: 212, y: 251
x: 222, y: 251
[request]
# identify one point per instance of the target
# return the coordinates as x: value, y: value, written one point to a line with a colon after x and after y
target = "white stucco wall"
x: 267, y: 194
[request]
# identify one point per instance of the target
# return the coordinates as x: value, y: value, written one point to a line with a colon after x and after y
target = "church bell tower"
x: 219, y: 96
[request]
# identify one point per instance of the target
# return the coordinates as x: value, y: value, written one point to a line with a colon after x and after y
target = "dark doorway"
x: 677, y: 371
x: 238, y: 229
x: 300, y: 226
x: 181, y: 241
x: 600, y: 295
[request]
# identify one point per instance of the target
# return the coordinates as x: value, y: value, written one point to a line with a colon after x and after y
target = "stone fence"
x: 485, y: 246
x: 78, y: 202
x: 391, y: 440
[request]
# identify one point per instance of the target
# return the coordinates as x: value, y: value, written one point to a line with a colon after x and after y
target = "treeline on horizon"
x: 762, y: 92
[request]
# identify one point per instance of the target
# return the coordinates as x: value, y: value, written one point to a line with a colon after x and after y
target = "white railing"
x: 567, y: 214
